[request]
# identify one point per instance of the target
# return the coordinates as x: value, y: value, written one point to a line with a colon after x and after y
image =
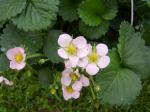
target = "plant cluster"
x: 42, y: 61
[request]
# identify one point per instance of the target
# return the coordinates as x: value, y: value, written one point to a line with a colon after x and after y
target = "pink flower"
x: 68, y: 76
x: 72, y: 49
x: 97, y: 59
x: 17, y: 58
x: 71, y: 92
x: 6, y: 81
x: 72, y: 83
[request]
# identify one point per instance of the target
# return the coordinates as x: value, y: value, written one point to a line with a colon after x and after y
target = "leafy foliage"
x: 13, y: 37
x: 94, y: 12
x: 68, y: 9
x: 145, y: 29
x: 11, y: 8
x: 24, y: 95
x: 120, y: 86
x: 51, y: 46
x: 93, y: 32
x: 1, y: 24
x: 4, y: 63
x: 39, y: 14
x: 32, y: 24
x: 45, y: 77
x: 148, y: 2
x: 127, y: 62
x: 132, y: 49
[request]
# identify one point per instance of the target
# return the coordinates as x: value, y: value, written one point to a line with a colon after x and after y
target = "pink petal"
x: 64, y: 40
x: 11, y: 54
x: 102, y: 49
x: 92, y: 69
x: 80, y: 42
x: 76, y: 95
x: 20, y: 49
x: 7, y: 82
x: 67, y: 72
x: 18, y: 66
x: 104, y: 62
x: 89, y: 48
x: 74, y: 60
x: 83, y: 52
x: 66, y: 95
x: 83, y: 62
x: 13, y: 65
x: 14, y: 51
x: 68, y: 64
x: 65, y: 80
x: 77, y: 86
x: 62, y: 53
x: 85, y: 81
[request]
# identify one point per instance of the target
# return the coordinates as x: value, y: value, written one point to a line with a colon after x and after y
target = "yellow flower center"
x: 69, y: 89
x: 19, y: 58
x: 93, y: 57
x: 74, y: 76
x: 72, y: 50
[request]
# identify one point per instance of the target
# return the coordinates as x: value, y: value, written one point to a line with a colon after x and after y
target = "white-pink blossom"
x: 5, y: 81
x: 17, y: 58
x: 72, y: 83
x: 69, y: 92
x: 72, y: 49
x: 97, y: 59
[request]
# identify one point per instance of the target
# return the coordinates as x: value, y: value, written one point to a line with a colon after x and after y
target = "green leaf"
x: 115, y: 61
x: 45, y: 77
x: 146, y: 31
x: 132, y: 49
x: 1, y: 24
x: 94, y: 32
x: 119, y: 87
x: 10, y: 8
x: 111, y: 10
x: 148, y: 3
x: 4, y: 63
x: 94, y: 12
x: 13, y: 37
x: 146, y: 71
x: 51, y: 46
x: 39, y: 14
x: 68, y: 9
x: 145, y: 36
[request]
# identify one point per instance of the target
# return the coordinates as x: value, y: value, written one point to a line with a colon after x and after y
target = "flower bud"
x: 53, y: 91
x: 97, y: 88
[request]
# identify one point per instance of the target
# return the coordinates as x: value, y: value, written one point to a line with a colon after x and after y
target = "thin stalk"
x: 35, y: 55
x: 93, y: 95
x: 93, y: 85
x: 132, y: 12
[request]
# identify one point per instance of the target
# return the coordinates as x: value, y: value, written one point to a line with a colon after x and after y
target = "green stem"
x: 70, y: 106
x: 93, y: 85
x: 93, y: 95
x: 91, y: 78
x: 35, y: 56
